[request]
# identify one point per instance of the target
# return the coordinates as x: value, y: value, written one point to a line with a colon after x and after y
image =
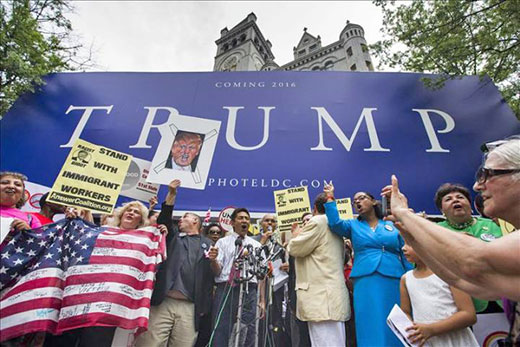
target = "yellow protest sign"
x: 290, y: 205
x: 506, y: 227
x: 345, y: 208
x: 91, y: 177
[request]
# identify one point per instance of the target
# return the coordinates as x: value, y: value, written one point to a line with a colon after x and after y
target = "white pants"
x: 328, y: 333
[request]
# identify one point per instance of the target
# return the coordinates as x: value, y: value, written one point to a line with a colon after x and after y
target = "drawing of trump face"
x: 185, y: 148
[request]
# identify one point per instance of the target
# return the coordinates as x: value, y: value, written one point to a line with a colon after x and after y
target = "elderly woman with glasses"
x: 378, y: 266
x: 487, y: 270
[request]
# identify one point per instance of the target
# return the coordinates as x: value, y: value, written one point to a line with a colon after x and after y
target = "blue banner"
x: 277, y: 129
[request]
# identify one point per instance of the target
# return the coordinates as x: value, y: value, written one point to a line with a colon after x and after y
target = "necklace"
x: 461, y: 226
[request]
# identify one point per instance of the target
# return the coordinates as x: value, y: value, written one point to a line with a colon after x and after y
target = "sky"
x: 180, y: 35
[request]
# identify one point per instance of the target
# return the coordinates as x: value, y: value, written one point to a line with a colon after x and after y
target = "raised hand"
x: 328, y: 189
x: 398, y: 201
x: 152, y: 202
x: 172, y: 187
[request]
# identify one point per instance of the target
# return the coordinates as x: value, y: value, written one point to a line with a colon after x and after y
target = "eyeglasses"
x: 484, y: 173
x: 360, y: 198
x: 214, y: 232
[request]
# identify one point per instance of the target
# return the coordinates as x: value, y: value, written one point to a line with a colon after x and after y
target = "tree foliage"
x: 454, y: 38
x: 35, y: 39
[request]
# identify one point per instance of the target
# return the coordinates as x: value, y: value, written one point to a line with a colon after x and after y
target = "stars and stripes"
x: 72, y: 274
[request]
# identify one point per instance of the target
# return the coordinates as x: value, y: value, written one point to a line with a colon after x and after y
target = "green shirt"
x: 485, y: 230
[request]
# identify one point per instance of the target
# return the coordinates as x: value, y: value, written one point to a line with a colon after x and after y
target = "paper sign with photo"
x: 185, y: 151
x: 135, y: 185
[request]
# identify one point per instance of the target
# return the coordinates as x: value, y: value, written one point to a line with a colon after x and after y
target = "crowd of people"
x: 343, y: 276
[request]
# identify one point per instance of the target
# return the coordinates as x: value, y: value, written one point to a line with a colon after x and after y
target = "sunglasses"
x: 483, y: 173
x: 214, y: 232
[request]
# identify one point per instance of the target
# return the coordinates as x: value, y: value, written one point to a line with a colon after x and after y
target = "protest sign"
x: 224, y: 218
x: 290, y: 205
x: 185, y: 151
x: 33, y: 193
x: 344, y: 208
x: 135, y: 185
x: 91, y: 177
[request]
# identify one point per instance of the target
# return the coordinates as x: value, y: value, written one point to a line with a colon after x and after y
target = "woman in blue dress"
x: 378, y: 266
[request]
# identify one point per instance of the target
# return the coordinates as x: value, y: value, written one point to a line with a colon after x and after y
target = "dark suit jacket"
x: 169, y: 269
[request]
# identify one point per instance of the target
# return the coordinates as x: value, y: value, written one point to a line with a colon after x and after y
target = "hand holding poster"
x: 290, y: 205
x: 91, y: 178
x: 344, y: 208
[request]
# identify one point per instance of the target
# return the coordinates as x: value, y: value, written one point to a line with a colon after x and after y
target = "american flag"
x: 73, y: 274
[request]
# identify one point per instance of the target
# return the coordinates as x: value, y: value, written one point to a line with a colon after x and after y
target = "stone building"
x: 244, y: 48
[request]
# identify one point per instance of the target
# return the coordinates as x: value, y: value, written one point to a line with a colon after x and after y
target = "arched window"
x: 328, y: 65
x: 316, y: 68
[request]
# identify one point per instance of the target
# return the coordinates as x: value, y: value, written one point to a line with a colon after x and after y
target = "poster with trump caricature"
x: 185, y: 151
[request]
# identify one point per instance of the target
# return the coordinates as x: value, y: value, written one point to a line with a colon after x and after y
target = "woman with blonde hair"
x: 132, y: 215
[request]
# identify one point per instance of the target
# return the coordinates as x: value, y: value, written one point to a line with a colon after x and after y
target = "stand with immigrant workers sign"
x: 91, y: 177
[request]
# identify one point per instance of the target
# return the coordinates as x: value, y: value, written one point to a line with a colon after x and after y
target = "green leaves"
x: 454, y: 38
x: 34, y: 41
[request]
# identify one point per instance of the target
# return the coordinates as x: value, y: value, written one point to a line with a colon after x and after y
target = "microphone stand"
x: 238, y: 323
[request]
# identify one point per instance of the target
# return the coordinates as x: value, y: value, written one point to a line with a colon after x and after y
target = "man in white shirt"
x: 225, y: 307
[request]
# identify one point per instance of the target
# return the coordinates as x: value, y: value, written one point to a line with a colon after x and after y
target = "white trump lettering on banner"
x: 148, y: 124
x: 230, y: 130
x: 345, y: 141
x: 323, y: 115
x: 430, y: 131
x: 87, y: 112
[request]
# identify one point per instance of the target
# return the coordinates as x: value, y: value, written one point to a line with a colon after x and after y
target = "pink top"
x: 16, y: 213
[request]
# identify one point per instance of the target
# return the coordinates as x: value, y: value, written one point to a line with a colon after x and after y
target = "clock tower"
x: 243, y: 48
